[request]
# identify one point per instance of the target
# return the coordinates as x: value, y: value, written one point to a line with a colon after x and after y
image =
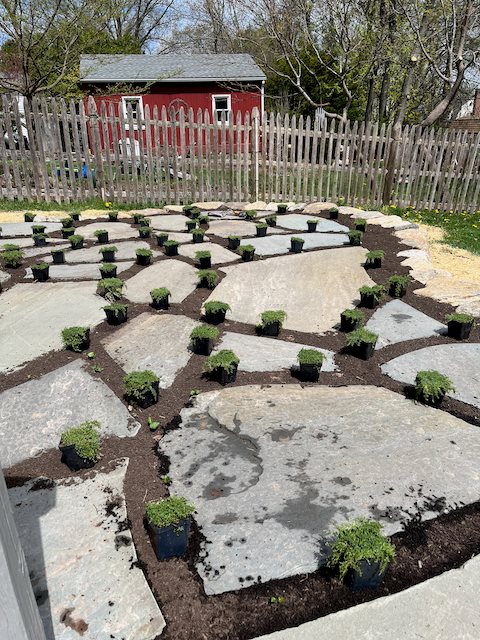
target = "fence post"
x: 256, y: 148
x: 390, y: 165
x: 96, y: 146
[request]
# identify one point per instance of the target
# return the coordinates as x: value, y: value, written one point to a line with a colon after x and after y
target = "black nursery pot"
x: 392, y: 291
x: 162, y: 303
x: 225, y: 377
x: 261, y: 232
x: 459, y: 330
x: 79, y: 245
x: 41, y: 275
x: 116, y: 318
x: 370, y: 578
x: 172, y: 541
x: 149, y: 398
x: 197, y: 238
x: 349, y: 324
x: 215, y: 317
x: 202, y: 346
x: 296, y: 246
x: 233, y: 243
x: 376, y: 264
x: 205, y: 263
x: 58, y: 257
x: 282, y: 208
x: 108, y: 256
x: 333, y: 215
x: 40, y: 242
x: 271, y: 329
x: 75, y: 216
x: 73, y: 461
x: 312, y: 227
x: 144, y: 260
x: 102, y: 238
x: 111, y: 273
x: 191, y: 224
x: 144, y: 233
x: 355, y: 242
x: 309, y: 372
x: 247, y: 256
x: 161, y: 240
x: 361, y: 227
x: 364, y: 351
x: 368, y: 300
x: 66, y: 233
x: 271, y: 222
x: 171, y: 251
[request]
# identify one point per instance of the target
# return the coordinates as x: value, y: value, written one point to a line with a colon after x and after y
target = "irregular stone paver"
x: 272, y: 470
x: 462, y: 294
x: 276, y: 244
x: 460, y: 362
x: 298, y: 222
x: 350, y: 211
x: 25, y: 228
x: 116, y: 230
x: 41, y: 409
x: 368, y: 215
x: 392, y: 222
x: 258, y: 353
x: 180, y: 278
x: 318, y: 207
x: 53, y: 243
x: 4, y: 276
x: 220, y: 255
x: 32, y: 316
x: 83, y: 571
x: 397, y: 321
x: 182, y: 238
x: 438, y: 609
x: 214, y: 204
x: 225, y: 228
x: 298, y: 285
x: 126, y: 251
x: 170, y: 223
x: 79, y: 271
x: 20, y: 242
x: 151, y: 341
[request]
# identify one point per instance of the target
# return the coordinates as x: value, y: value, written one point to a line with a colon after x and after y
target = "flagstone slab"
x: 460, y: 362
x: 20, y: 242
x: 116, y: 230
x: 392, y: 222
x: 25, y: 228
x: 151, y: 341
x: 258, y: 353
x: 32, y: 316
x: 79, y: 271
x: 213, y: 204
x: 220, y: 255
x: 42, y: 409
x: 274, y: 469
x: 318, y: 207
x: 52, y: 244
x: 397, y: 321
x: 298, y: 284
x: 177, y: 276
x: 278, y: 244
x: 126, y: 251
x: 298, y: 222
x: 84, y: 572
x: 4, y: 276
x: 225, y: 228
x: 182, y: 238
x: 170, y: 222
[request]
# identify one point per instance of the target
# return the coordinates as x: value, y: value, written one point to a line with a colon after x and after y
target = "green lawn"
x: 89, y: 203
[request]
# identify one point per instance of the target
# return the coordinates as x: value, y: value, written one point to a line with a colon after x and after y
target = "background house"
x: 468, y: 118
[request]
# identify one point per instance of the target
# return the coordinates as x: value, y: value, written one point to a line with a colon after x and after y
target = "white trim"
x: 228, y: 96
x: 125, y: 99
x: 262, y: 100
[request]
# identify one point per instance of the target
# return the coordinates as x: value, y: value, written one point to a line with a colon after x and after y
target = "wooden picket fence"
x: 61, y: 151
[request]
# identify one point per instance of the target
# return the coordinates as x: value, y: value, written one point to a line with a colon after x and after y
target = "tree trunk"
x: 369, y: 106
x: 384, y: 91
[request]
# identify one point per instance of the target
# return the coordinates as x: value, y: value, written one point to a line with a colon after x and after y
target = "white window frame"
x: 215, y: 111
x: 126, y: 99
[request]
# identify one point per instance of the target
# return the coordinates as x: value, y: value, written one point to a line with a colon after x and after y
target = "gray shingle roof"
x: 169, y: 68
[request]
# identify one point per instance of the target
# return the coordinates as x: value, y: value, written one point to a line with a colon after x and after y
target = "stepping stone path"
x: 170, y: 223
x: 220, y: 255
x: 156, y: 342
x: 25, y: 228
x: 298, y: 222
x: 298, y: 284
x: 460, y: 362
x: 79, y: 271
x: 278, y: 244
x: 83, y: 571
x: 4, y: 276
x: 116, y: 230
x: 397, y: 321
x: 33, y: 315
x: 42, y: 409
x: 180, y: 278
x: 258, y: 353
x: 272, y: 470
x: 225, y: 228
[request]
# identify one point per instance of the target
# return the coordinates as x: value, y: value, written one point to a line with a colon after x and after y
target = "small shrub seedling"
x: 144, y: 231
x: 138, y: 217
x: 76, y: 241
x: 360, y: 224
x: 216, y: 306
x: 199, y: 255
x: 273, y: 317
x: 85, y: 439
x: 40, y: 270
x: 113, y: 216
x: 194, y: 392
x: 107, y: 269
x: 461, y: 318
x: 204, y: 332
x: 76, y: 338
x: 12, y: 258
x: 101, y: 235
x: 224, y: 359
x: 10, y: 247
x: 376, y: 292
x: 67, y: 222
x: 282, y: 207
x: 361, y: 336
x: 168, y: 512
x: 311, y: 357
x: 355, y: 237
x: 139, y: 385
x: 144, y: 256
x: 204, y: 220
x: 116, y: 310
x: 261, y: 225
x: 207, y: 278
x: 38, y: 228
x: 166, y: 480
x: 277, y: 600
x: 110, y: 288
x: 354, y: 314
x: 250, y: 214
x: 431, y: 386
x: 271, y: 221
x: 398, y: 285
x: 197, y: 235
x: 28, y: 216
x: 162, y: 293
x: 374, y: 258
x: 152, y: 424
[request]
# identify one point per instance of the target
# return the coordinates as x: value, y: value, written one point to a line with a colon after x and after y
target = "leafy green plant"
x: 140, y: 384
x: 39, y: 236
x: 168, y: 512
x: 107, y: 267
x: 224, y: 359
x: 261, y: 225
x: 76, y: 240
x: 198, y: 233
x: 12, y: 258
x: 234, y: 238
x: 354, y: 315
x: 145, y: 253
x: 203, y: 219
x: 170, y: 243
x: 40, y: 266
x: 75, y: 338
x: 204, y: 332
x: 38, y: 228
x: 312, y: 357
x: 361, y: 336
x: 246, y: 248
x: 312, y: 221
x: 100, y: 232
x: 137, y: 217
x: 162, y: 235
x: 10, y: 247
x: 160, y: 294
x: 360, y: 224
x: 110, y: 248
x: 377, y: 291
x: 250, y: 214
x: 187, y: 208
x: 295, y: 239
x: 97, y: 368
x: 66, y: 222
x: 85, y: 439
x: 360, y: 540
x: 144, y: 231
x: 215, y: 306
x: 146, y: 222
x: 195, y: 392
x: 195, y: 212
x: 207, y: 278
x: 68, y: 232
x: 116, y: 308
x: 431, y: 386
x: 166, y: 480
x: 398, y: 284
x: 110, y: 288
x: 113, y: 215
x: 461, y: 318
x: 203, y: 254
x: 152, y: 425
x: 91, y: 355
x: 282, y: 207
x: 277, y: 600
x: 271, y: 220
x: 28, y: 216
x: 355, y: 236
x: 272, y: 316
x: 371, y: 256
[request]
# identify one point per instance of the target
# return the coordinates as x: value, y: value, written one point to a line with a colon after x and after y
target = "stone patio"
x: 278, y: 244
x: 220, y: 255
x: 180, y: 278
x: 298, y: 222
x: 79, y: 271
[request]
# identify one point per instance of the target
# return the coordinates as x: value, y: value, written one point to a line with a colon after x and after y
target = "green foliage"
x: 296, y: 239
x: 163, y: 235
x: 361, y: 336
x: 144, y: 231
x: 145, y: 253
x: 160, y: 294
x: 168, y: 512
x: 431, y: 385
x: 76, y: 240
x: 198, y: 232
x: 214, y: 306
x: 116, y: 308
x: 166, y: 480
x: 270, y: 220
x: 354, y: 314
x: 360, y: 224
x: 107, y: 267
x: 360, y: 540
x: 100, y: 232
x: 12, y: 258
x: 170, y: 243
x: 399, y: 283
x: 377, y: 291
x: 249, y: 248
x: 203, y: 219
x: 138, y: 217
x: 57, y: 251
x: 207, y: 277
x: 75, y: 337
x: 153, y: 425
x: 355, y: 235
x: 312, y: 221
x: 333, y: 210
x: 38, y: 228
x: 203, y: 254
x: 224, y: 359
x: 110, y: 247
x: 10, y: 247
x: 29, y: 216
x: 40, y: 266
x: 250, y: 214
x: 67, y: 223
x: 39, y: 236
x: 203, y: 332
x: 261, y: 225
x: 112, y: 215
x: 111, y: 288
x: 234, y: 237
x: 272, y: 316
x: 311, y: 356
x: 85, y: 438
x: 371, y: 256
x: 461, y: 318
x: 140, y: 384
x: 277, y: 600
x: 187, y: 208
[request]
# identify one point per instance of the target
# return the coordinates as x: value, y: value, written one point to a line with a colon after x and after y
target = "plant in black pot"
x: 67, y: 233
x: 215, y: 311
x: 355, y: 238
x: 38, y: 228
x: 187, y: 209
x: 310, y: 362
x: 361, y: 225
x: 282, y: 207
x: 250, y: 214
x: 194, y: 213
x: 116, y: 313
x: 373, y: 259
x: 160, y: 298
x: 170, y: 247
x: 203, y: 221
x: 168, y: 522
x: 370, y: 296
x: 108, y: 270
x: 144, y: 257
x: 112, y: 216
x: 204, y: 258
x: 431, y: 387
x: 76, y: 338
x: 272, y: 322
x: 234, y: 242
x: 161, y: 238
x: 58, y: 256
x: 296, y: 244
x: 361, y: 553
x: 40, y: 271
x: 108, y: 253
x: 75, y: 215
x: 397, y: 285
x: 28, y: 216
x: 207, y: 278
x: 312, y: 225
x: 190, y: 225
x: 351, y: 319
x: 271, y: 220
x: 80, y: 446
x: 361, y: 343
x: 202, y: 339
x: 76, y: 241
x: 40, y: 239
x: 101, y: 236
x: 138, y: 217
x: 333, y: 213
x: 460, y: 325
x: 67, y: 222
x: 110, y: 288
x: 141, y: 388
x: 261, y: 228
x: 222, y: 366
x: 144, y: 231
x: 11, y: 258
x: 146, y: 222
x: 247, y: 251
x: 197, y: 235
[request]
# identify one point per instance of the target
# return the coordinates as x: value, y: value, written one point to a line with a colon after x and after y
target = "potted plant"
x: 171, y: 247
x: 361, y: 225
x: 250, y: 214
x: 207, y: 278
x: 460, y: 325
x: 108, y: 270
x: 296, y: 244
x: 271, y: 220
x: 80, y: 446
x: 431, y: 387
x: 28, y: 216
x: 160, y: 298
x: 261, y: 229
x: 397, y: 285
x: 58, y: 256
x: 247, y: 251
x: 108, y: 253
x: 161, y: 238
x: 233, y: 242
x: 355, y: 237
x: 40, y: 239
x: 76, y: 338
x: 195, y: 213
x: 67, y: 233
x: 144, y: 231
x: 40, y: 271
x: 223, y: 366
x: 215, y: 311
x: 138, y: 217
x: 67, y: 222
x: 38, y: 228
x: 76, y: 241
x: 361, y: 553
x: 141, y: 388
x: 190, y: 225
x: 204, y: 258
x: 110, y: 288
x: 116, y: 313
x: 361, y: 343
x: 12, y: 258
x: 202, y: 339
x: 112, y: 215
x: 312, y: 225
x: 75, y: 215
x: 197, y: 235
x: 272, y: 322
x: 101, y: 236
x: 144, y: 257
x: 351, y: 319
x: 203, y: 221
x: 282, y: 207
x: 168, y: 522
x: 187, y: 209
x: 370, y: 296
x: 310, y: 361
x: 373, y: 259
x: 333, y: 213
x: 145, y: 222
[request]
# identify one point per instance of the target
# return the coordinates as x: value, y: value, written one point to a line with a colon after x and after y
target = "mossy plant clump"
x: 250, y: 214
x: 76, y: 241
x: 397, y: 285
x: 431, y: 386
x: 110, y: 288
x: 28, y: 216
x: 40, y: 271
x: 207, y: 278
x: 373, y: 259
x: 224, y: 359
x: 215, y: 311
x: 67, y: 222
x: 85, y: 439
x: 351, y: 319
x: 371, y: 296
x: 12, y: 258
x: 355, y: 237
x: 76, y: 338
x: 169, y: 512
x: 161, y: 293
x: 361, y: 336
x: 311, y: 357
x: 141, y: 387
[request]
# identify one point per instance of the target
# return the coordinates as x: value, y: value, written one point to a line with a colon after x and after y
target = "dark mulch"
x: 423, y: 549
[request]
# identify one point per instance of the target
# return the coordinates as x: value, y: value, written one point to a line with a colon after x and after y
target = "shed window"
x: 221, y: 104
x: 137, y: 106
